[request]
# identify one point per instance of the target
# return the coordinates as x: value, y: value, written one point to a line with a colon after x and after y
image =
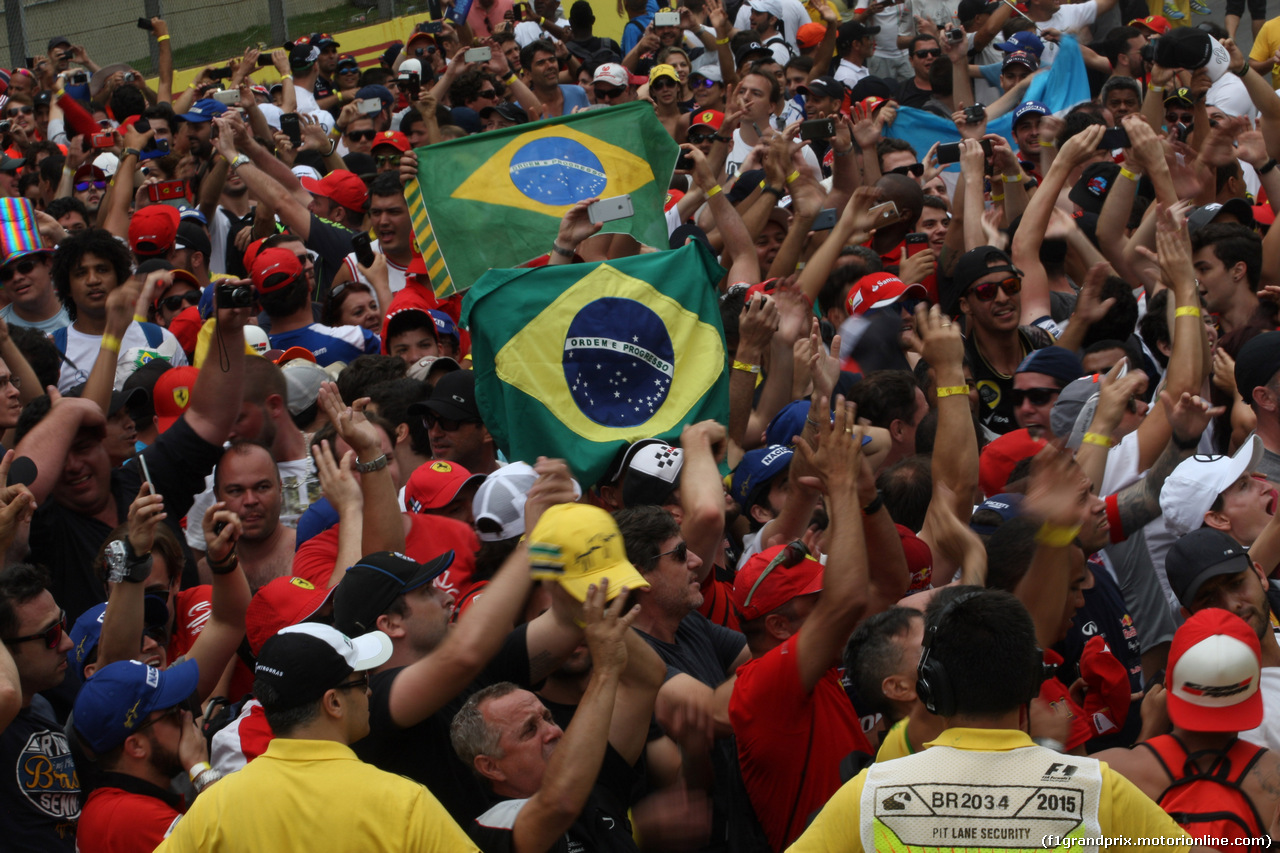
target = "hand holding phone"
x: 363, y: 247
x: 610, y: 209
x: 145, y: 24
x: 478, y: 54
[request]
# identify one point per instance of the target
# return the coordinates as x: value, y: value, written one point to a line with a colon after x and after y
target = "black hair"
x: 283, y: 720
x: 873, y: 654
x: 907, y: 486
x: 1121, y: 320
x: 644, y: 529
x: 836, y: 288
x: 126, y: 101
x: 60, y: 207
x: 19, y: 584
x: 1232, y: 243
x: 804, y: 63
x: 51, y: 173
x: 366, y: 371
x: 1009, y: 553
x: 393, y: 398
x: 885, y: 396
x: 1132, y: 352
x: 287, y: 300
x: 32, y: 413
x: 1076, y: 121
x: 331, y: 306
x: 532, y: 49
x: 40, y: 353
x: 1154, y: 326
x: 731, y: 305
x: 775, y: 88
x: 386, y: 184
x: 987, y: 647
x: 889, y: 144
x: 94, y: 241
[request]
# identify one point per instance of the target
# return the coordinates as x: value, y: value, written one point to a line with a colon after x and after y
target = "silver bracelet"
x: 564, y: 253
x: 1050, y: 743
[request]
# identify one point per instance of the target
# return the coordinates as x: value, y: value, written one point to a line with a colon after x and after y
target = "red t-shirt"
x: 429, y: 536
x: 116, y: 821
x: 192, y: 608
x: 717, y: 602
x: 775, y: 722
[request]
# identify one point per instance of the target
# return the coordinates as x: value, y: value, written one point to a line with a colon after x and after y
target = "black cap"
x: 1200, y: 555
x: 973, y: 265
x: 823, y: 87
x: 967, y: 10
x: 10, y: 164
x: 57, y: 40
x: 1256, y: 362
x: 191, y: 235
x: 133, y: 397
x: 301, y: 662
x: 851, y: 31
x: 303, y: 54
x: 453, y: 397
x: 388, y: 57
x: 871, y: 87
x: 1184, y: 48
x: 509, y: 111
x: 1094, y: 184
x: 749, y: 50
x: 1206, y: 213
x: 369, y: 587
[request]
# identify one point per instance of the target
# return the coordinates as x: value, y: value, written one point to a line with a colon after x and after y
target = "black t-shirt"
x: 39, y: 787
x: 423, y: 752
x: 333, y: 243
x: 602, y: 826
x: 233, y: 258
x: 911, y: 95
x: 66, y: 542
x: 995, y: 408
x: 324, y: 87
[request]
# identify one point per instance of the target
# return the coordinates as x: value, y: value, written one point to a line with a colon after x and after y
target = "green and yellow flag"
x: 496, y: 199
x: 576, y: 360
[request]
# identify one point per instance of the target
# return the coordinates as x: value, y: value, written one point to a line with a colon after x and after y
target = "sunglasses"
x: 361, y: 135
x: 1037, y: 396
x: 361, y: 683
x: 22, y: 267
x: 51, y: 636
x: 84, y: 185
x: 424, y: 51
x: 387, y: 159
x: 21, y: 111
x: 925, y: 54
x: 431, y: 420
x: 986, y: 291
x: 175, y: 303
x: 604, y: 94
x: 788, y: 558
x: 695, y: 138
x: 488, y: 93
x: 664, y: 84
x: 701, y: 82
x: 915, y: 170
x: 680, y: 552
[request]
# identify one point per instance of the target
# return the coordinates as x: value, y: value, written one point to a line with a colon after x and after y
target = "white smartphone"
x: 230, y: 97
x: 886, y: 214
x: 609, y: 209
x: 666, y: 19
x: 477, y: 54
x: 146, y: 475
x: 369, y: 106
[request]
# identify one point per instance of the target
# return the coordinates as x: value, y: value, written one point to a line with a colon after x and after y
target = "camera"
x: 80, y: 78
x: 233, y: 296
x: 220, y: 73
x: 4, y: 126
x: 955, y: 34
x: 975, y: 114
x: 129, y: 76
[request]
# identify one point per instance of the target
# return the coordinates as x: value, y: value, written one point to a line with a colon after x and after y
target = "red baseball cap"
x: 1157, y: 24
x: 294, y: 353
x: 759, y: 589
x: 154, y: 229
x: 339, y: 186
x: 176, y: 276
x: 1215, y: 664
x: 394, y: 138
x: 707, y: 118
x: 878, y: 290
x: 999, y: 458
x: 273, y: 269
x: 282, y: 602
x: 434, y: 484
x: 251, y: 251
x: 172, y: 394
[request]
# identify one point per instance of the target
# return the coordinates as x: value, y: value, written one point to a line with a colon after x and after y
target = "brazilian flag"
x: 496, y: 199
x: 576, y: 360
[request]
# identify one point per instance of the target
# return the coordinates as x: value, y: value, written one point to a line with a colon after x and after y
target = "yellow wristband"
x: 1045, y: 144
x: 1187, y: 311
x: 1011, y: 179
x: 162, y: 38
x: 1125, y: 173
x: 138, y: 318
x: 198, y: 768
x: 1055, y: 536
x: 111, y: 343
x: 286, y: 76
x: 716, y: 190
x: 509, y: 78
x: 995, y: 197
x: 1098, y: 439
x: 952, y: 391
x: 746, y: 368
x: 793, y: 177
x: 724, y: 40
x: 1155, y: 88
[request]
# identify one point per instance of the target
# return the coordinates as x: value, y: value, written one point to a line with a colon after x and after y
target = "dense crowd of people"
x: 979, y: 555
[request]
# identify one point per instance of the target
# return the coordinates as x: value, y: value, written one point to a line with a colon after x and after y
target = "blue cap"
x: 1005, y: 504
x: 1023, y: 40
x: 1028, y: 108
x: 85, y: 635
x: 756, y: 470
x: 204, y: 110
x: 1059, y: 362
x: 445, y: 327
x: 119, y: 698
x: 787, y: 424
x: 382, y: 93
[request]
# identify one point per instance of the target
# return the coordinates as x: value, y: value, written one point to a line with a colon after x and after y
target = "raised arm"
x: 702, y: 492
x: 49, y: 442
x: 123, y: 620
x: 222, y: 634
x: 219, y: 387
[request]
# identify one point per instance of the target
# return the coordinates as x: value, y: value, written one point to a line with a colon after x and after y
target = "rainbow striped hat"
x: 19, y: 235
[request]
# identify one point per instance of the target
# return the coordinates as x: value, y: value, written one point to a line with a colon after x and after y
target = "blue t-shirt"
x: 329, y: 343
x: 316, y: 519
x: 575, y: 97
x: 634, y: 30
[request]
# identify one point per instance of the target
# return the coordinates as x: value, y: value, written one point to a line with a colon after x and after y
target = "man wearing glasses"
x: 1037, y: 383
x: 25, y: 277
x: 917, y: 91
x: 39, y: 787
x: 456, y: 430
x: 611, y: 85
x: 986, y: 289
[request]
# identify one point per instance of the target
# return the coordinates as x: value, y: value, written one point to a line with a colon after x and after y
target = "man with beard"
x: 247, y: 483
x: 133, y: 722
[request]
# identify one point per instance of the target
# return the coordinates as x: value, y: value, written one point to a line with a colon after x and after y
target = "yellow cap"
x: 663, y: 71
x: 579, y: 545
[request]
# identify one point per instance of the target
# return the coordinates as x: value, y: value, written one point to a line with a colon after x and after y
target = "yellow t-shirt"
x: 314, y: 795
x: 1265, y: 46
x: 896, y: 743
x: 1122, y: 809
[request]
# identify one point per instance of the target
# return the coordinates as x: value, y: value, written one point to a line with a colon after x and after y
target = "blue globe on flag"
x: 618, y: 362
x: 557, y: 171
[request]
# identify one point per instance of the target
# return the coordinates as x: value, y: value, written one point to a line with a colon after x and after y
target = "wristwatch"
x: 239, y: 161
x: 123, y: 566
x: 376, y: 465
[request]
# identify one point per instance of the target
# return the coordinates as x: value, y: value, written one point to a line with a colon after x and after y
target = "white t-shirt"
x: 1228, y: 93
x: 1267, y: 734
x: 893, y: 21
x: 741, y: 149
x: 295, y: 475
x: 82, y: 352
x: 850, y: 74
x: 794, y: 16
x: 395, y: 273
x: 1070, y: 18
x: 527, y: 32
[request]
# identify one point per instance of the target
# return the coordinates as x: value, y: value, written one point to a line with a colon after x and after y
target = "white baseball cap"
x: 1195, y: 484
x: 613, y: 74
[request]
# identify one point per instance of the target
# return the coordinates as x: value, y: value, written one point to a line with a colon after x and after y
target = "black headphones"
x: 933, y: 685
